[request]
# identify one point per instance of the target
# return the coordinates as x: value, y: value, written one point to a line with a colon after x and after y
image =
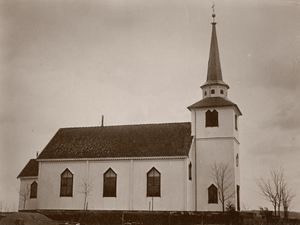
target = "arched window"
x: 238, y: 197
x: 33, y: 190
x: 211, y: 118
x: 212, y: 91
x: 212, y: 194
x: 237, y: 160
x: 109, y: 183
x: 66, y: 184
x: 190, y: 171
x: 153, y: 183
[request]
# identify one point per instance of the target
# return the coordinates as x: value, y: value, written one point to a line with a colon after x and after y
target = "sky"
x: 65, y: 63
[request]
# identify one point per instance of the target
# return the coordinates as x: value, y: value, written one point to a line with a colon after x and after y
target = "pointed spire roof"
x: 214, y: 72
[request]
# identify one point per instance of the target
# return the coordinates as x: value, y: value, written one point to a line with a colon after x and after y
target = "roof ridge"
x: 124, y: 125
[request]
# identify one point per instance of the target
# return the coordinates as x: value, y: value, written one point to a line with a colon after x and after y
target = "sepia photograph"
x: 149, y: 112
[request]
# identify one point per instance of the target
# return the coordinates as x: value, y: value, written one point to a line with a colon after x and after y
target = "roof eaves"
x: 216, y: 106
x: 30, y: 169
x: 27, y: 177
x: 217, y: 82
x: 113, y: 158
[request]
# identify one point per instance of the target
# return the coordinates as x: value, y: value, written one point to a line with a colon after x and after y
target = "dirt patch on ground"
x: 22, y: 218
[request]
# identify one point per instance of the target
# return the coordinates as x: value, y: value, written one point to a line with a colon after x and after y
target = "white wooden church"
x: 165, y: 166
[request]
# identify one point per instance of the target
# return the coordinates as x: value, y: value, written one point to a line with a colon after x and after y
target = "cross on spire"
x: 213, y: 12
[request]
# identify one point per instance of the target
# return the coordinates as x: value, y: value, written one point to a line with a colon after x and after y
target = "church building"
x: 159, y: 167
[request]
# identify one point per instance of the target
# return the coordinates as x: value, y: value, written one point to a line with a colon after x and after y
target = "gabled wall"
x: 24, y: 192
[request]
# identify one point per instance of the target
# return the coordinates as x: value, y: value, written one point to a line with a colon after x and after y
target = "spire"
x: 214, y: 72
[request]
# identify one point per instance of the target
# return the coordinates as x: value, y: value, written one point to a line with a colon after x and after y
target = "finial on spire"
x: 213, y: 13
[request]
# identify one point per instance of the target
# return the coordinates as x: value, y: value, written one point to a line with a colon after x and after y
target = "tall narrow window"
x: 236, y: 122
x: 238, y: 197
x: 66, y: 184
x: 153, y: 183
x: 212, y: 194
x: 237, y: 160
x: 221, y: 92
x: 109, y: 183
x: 211, y: 118
x: 33, y: 189
x: 190, y: 171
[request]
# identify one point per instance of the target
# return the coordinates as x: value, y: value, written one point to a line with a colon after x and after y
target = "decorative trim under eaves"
x: 29, y: 177
x: 234, y: 138
x: 112, y: 159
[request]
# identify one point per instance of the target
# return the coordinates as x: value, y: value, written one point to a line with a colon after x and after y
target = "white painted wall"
x: 131, y: 184
x: 49, y: 185
x: 217, y: 89
x: 237, y: 171
x: 226, y: 123
x: 214, y: 145
x: 30, y: 203
x: 210, y: 152
x: 191, y: 183
x: 173, y: 184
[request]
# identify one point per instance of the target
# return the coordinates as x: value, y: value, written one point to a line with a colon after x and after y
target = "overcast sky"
x: 64, y: 63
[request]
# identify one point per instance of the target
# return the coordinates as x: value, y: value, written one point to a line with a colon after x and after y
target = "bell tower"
x: 216, y: 138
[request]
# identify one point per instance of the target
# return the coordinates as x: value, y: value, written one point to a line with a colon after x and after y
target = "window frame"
x: 33, y: 189
x: 109, y: 184
x: 190, y: 171
x: 236, y: 122
x: 212, y: 191
x: 212, y: 91
x: 238, y: 197
x: 212, y: 118
x: 66, y: 184
x: 151, y: 190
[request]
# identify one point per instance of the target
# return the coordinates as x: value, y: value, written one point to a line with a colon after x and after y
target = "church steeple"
x: 214, y: 72
x: 214, y: 127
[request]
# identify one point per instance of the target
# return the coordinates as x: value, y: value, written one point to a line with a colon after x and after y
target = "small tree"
x: 24, y: 194
x: 222, y: 176
x: 287, y: 197
x: 269, y: 192
x: 275, y: 190
x: 277, y: 177
x: 86, y: 189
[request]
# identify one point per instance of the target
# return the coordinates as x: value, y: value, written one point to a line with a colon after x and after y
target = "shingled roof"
x: 30, y: 170
x: 146, y: 140
x: 213, y: 102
